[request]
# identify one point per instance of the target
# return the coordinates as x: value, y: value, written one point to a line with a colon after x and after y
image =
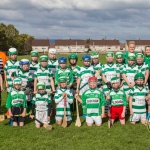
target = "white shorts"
x: 61, y: 118
x: 137, y: 117
x: 42, y: 116
x: 92, y: 119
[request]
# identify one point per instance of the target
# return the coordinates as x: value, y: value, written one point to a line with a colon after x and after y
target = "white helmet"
x: 52, y: 51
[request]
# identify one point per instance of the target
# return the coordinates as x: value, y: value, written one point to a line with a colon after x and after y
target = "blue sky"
x: 79, y: 19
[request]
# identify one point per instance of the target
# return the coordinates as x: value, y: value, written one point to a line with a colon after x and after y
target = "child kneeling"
x: 42, y: 103
x: 16, y: 103
x: 93, y: 100
x: 117, y: 100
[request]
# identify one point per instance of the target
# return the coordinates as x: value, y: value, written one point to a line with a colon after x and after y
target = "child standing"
x: 117, y: 100
x: 42, y: 103
x: 11, y: 67
x: 94, y: 102
x: 63, y: 98
x: 137, y: 100
x: 16, y: 103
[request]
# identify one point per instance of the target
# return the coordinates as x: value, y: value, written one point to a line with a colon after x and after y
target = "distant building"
x: 105, y: 45
x: 40, y: 45
x: 122, y: 47
x: 71, y: 46
x: 140, y: 44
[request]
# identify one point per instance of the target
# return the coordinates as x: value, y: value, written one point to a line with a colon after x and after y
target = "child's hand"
x: 131, y: 112
x: 31, y: 116
x: 76, y: 96
x: 123, y: 114
x: 7, y: 85
x: 63, y: 94
x: 108, y: 113
x: 103, y: 115
x: 10, y: 114
x: 77, y: 91
x: 48, y: 117
x: 2, y: 89
x: 34, y: 92
x: 23, y: 114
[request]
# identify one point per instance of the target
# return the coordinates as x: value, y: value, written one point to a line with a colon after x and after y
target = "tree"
x: 88, y: 43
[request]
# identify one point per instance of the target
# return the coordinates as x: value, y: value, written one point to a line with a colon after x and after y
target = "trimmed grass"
x: 134, y: 137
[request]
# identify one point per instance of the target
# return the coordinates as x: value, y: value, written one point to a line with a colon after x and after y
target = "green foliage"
x: 10, y: 37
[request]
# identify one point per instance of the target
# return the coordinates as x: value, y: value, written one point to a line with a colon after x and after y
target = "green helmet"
x: 17, y: 81
x: 139, y: 55
x: 115, y: 80
x: 94, y: 55
x: 119, y: 55
x: 110, y: 54
x: 34, y: 53
x: 139, y: 76
x: 44, y: 58
x: 12, y: 51
x: 62, y: 79
x: 131, y: 56
x: 40, y: 86
x: 73, y: 56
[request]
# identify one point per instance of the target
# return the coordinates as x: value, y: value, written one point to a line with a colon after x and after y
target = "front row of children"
x: 93, y: 102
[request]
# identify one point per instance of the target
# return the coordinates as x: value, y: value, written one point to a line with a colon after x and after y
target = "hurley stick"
x: 78, y: 122
x: 64, y: 123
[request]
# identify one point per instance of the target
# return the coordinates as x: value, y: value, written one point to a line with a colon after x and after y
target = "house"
x: 140, y: 44
x: 71, y: 46
x: 105, y: 45
x: 122, y: 47
x: 40, y: 45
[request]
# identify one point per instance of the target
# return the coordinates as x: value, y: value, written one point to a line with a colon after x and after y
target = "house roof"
x: 40, y: 42
x: 52, y: 45
x: 140, y: 42
x: 122, y: 45
x: 69, y: 42
x: 105, y: 42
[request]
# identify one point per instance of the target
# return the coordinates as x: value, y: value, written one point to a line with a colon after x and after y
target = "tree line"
x: 10, y: 37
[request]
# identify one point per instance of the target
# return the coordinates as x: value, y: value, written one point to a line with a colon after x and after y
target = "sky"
x: 79, y: 19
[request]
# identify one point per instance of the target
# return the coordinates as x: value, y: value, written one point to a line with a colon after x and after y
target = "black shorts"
x: 149, y: 82
x: 17, y: 111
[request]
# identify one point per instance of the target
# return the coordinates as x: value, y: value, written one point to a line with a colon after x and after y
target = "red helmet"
x: 92, y: 79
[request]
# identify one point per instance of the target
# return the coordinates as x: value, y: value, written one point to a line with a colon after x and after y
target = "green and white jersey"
x: 117, y: 98
x: 64, y: 72
x: 11, y: 67
x: 143, y: 68
x: 16, y: 99
x: 85, y: 73
x: 120, y: 66
x: 41, y: 101
x: 44, y: 76
x: 110, y: 71
x: 96, y: 68
x: 59, y: 100
x: 53, y: 66
x: 33, y: 67
x: 138, y: 99
x: 147, y: 61
x: 92, y: 102
x: 25, y: 76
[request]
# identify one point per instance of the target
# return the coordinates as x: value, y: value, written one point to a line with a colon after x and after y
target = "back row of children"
x: 93, y: 84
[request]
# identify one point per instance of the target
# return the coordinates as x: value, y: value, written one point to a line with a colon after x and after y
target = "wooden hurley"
x: 78, y: 122
x: 2, y: 118
x: 64, y: 123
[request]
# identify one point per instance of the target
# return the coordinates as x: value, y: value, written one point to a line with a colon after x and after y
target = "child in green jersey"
x: 16, y: 103
x: 137, y: 100
x: 41, y: 102
x: 97, y: 67
x: 11, y: 67
x: 63, y: 70
x: 117, y: 101
x: 63, y: 98
x: 93, y: 103
x: 45, y: 75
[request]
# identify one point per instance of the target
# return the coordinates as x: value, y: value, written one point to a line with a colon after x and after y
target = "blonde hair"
x: 131, y: 42
x: 147, y: 46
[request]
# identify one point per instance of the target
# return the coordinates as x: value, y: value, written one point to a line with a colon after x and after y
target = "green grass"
x: 134, y: 137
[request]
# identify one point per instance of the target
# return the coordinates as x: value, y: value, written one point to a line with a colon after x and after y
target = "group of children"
x: 33, y: 87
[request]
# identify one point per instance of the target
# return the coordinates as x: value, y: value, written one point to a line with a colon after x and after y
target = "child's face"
x: 63, y: 84
x: 139, y: 82
x: 119, y: 60
x: 93, y: 84
x: 13, y: 57
x: 116, y: 85
x: 62, y: 65
x: 52, y: 56
x: 41, y: 91
x: 139, y: 61
x: 73, y: 61
x: 86, y: 63
x: 131, y: 48
x: 25, y: 67
x: 131, y: 62
x: 95, y: 60
x: 34, y: 58
x: 17, y: 86
x: 147, y: 51
x: 109, y: 59
x: 44, y: 63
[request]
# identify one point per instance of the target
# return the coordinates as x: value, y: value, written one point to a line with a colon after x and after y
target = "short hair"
x: 131, y: 42
x: 147, y: 46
